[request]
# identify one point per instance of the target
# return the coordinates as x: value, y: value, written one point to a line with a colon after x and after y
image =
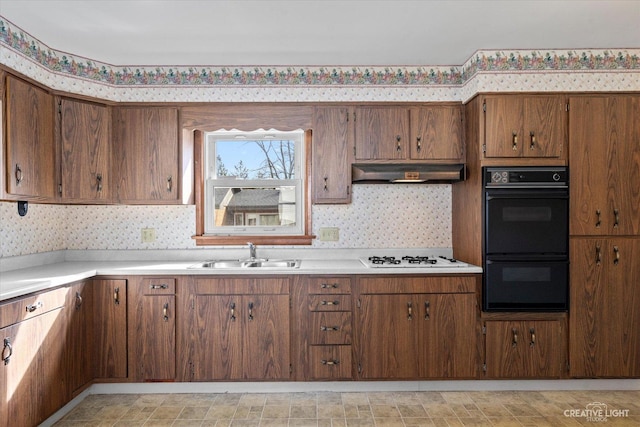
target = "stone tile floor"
x: 330, y: 409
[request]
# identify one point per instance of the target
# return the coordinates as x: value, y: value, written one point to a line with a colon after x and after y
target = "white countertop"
x: 22, y: 281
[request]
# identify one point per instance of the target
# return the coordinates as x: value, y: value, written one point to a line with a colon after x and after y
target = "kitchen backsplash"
x: 380, y: 216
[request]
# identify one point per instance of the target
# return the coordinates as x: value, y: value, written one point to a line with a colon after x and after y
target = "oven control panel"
x: 518, y: 176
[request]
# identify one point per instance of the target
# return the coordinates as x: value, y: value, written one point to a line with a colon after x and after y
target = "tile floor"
x: 329, y: 409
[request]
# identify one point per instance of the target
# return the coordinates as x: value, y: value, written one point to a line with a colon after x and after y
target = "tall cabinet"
x: 605, y: 236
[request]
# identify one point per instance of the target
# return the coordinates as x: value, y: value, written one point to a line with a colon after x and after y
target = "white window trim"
x: 212, y: 182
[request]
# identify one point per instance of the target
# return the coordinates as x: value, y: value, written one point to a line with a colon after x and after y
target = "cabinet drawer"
x: 330, y: 362
x: 158, y: 286
x: 330, y: 302
x: 330, y: 285
x: 31, y: 306
x: 330, y: 327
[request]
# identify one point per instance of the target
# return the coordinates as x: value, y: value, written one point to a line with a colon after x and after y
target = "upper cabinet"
x: 427, y: 132
x: 436, y: 133
x: 605, y: 164
x: 332, y: 154
x: 525, y: 126
x: 85, y: 151
x: 146, y: 154
x: 30, y: 162
x: 382, y: 133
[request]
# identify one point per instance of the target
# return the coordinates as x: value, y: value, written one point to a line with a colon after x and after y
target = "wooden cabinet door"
x: 79, y: 309
x: 382, y: 133
x: 525, y: 126
x: 604, y: 317
x: 86, y: 151
x: 504, y: 126
x: 436, y: 133
x: 388, y: 338
x: 146, y: 154
x: 448, y: 323
x: 242, y: 337
x: 32, y: 383
x: 266, y: 337
x: 332, y: 154
x: 31, y: 168
x: 110, y: 328
x: 524, y: 349
x: 545, y: 129
x: 605, y: 158
x: 156, y: 342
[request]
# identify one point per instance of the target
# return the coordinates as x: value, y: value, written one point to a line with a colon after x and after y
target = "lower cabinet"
x: 79, y: 311
x: 32, y: 370
x: 152, y: 329
x: 605, y: 307
x: 525, y: 348
x: 240, y: 328
x: 322, y: 344
x: 417, y: 327
x: 110, y: 328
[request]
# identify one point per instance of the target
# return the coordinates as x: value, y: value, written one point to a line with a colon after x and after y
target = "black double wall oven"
x: 526, y: 239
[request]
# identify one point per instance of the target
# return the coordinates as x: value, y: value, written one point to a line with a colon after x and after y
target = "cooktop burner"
x: 411, y: 261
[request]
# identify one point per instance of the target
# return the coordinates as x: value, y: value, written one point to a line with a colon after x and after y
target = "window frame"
x: 203, y: 239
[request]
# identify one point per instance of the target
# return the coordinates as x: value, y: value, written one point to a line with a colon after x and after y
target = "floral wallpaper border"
x: 482, y: 61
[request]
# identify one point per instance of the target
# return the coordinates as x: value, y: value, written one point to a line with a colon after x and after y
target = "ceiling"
x: 319, y: 32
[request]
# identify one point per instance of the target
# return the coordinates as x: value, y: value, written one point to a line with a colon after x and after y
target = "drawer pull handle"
x: 598, y: 255
x: 329, y: 286
x: 532, y: 331
x: 330, y: 362
x: 409, y: 311
x: 7, y: 346
x: 33, y: 307
x: 598, y: 221
x: 169, y: 184
x: 514, y: 339
x: 116, y: 296
x: 532, y: 146
x: 616, y: 214
x: 162, y: 286
x: 616, y: 253
x: 99, y: 182
x: 329, y: 328
x: 250, y: 311
x: 233, y: 311
x: 427, y: 310
x: 330, y: 302
x: 514, y: 141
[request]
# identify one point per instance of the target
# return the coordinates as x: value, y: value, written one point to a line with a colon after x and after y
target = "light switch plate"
x: 148, y: 235
x: 329, y: 234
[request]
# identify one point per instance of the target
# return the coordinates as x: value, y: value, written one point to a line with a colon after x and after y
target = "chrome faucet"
x: 252, y: 251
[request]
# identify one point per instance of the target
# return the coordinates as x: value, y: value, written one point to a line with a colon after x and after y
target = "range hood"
x: 407, y: 172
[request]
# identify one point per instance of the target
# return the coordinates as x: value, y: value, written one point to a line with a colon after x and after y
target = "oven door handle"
x: 526, y: 196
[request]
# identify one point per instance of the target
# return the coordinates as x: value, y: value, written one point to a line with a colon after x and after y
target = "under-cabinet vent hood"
x: 406, y: 173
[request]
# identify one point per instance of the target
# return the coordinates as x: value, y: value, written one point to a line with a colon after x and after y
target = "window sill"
x: 258, y: 240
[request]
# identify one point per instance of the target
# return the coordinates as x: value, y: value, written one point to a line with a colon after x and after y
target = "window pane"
x: 255, y: 206
x: 251, y: 159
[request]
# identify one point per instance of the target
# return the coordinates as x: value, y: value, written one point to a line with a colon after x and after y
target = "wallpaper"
x: 380, y: 216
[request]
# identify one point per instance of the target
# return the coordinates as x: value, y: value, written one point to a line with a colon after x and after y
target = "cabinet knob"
x: 78, y: 301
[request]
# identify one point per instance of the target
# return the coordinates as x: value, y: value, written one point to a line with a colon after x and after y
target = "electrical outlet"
x: 148, y: 235
x: 329, y: 234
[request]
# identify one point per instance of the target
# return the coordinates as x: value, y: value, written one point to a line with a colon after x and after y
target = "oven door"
x: 526, y: 221
x: 526, y: 285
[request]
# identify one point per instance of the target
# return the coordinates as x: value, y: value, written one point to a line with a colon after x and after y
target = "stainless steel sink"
x: 257, y: 263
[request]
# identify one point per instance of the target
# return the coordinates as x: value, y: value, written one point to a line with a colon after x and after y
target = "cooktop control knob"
x: 556, y: 177
x: 500, y: 177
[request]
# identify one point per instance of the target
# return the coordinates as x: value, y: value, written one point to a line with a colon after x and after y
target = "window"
x: 254, y: 183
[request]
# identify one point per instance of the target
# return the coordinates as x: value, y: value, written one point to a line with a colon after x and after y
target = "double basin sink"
x: 249, y: 263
